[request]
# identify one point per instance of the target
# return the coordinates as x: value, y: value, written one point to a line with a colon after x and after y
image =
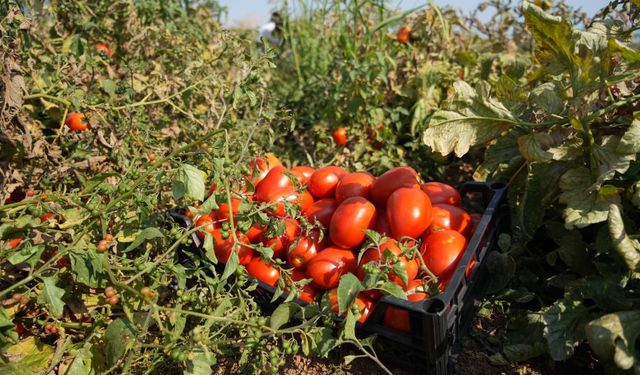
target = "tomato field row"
x: 325, y: 167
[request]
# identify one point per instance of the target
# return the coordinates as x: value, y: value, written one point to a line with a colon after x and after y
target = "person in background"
x: 271, y: 32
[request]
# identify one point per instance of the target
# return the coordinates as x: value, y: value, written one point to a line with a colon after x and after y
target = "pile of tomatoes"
x: 390, y: 228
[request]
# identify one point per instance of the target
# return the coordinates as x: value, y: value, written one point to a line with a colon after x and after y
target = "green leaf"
x: 51, y: 296
x: 8, y: 336
x: 89, y: 268
x: 630, y: 141
x: 607, y: 294
x: 553, y: 37
x: 564, y: 327
x: 613, y: 338
x: 208, y: 248
x: 573, y: 251
x: 499, y: 156
x: 144, y: 235
x: 322, y: 341
x: 209, y: 204
x: 119, y: 334
x: 533, y: 147
x: 109, y: 87
x: 29, y: 356
x: 348, y: 290
x: 349, y: 331
x: 547, y: 98
x: 470, y: 120
x: 190, y: 183
x: 200, y: 361
x: 502, y: 267
x: 608, y: 159
x: 232, y: 264
x: 628, y: 249
x: 82, y: 363
x: 393, y: 289
x: 282, y: 314
x: 523, y: 352
x: 26, y: 255
x: 400, y: 270
x: 584, y: 206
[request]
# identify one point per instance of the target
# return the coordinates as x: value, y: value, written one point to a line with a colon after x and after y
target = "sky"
x: 250, y: 13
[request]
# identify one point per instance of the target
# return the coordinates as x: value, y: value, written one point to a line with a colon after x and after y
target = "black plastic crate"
x: 438, y: 323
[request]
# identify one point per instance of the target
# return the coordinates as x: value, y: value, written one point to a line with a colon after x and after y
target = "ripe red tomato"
x: 382, y: 224
x: 392, y: 180
x: 404, y: 34
x: 260, y: 166
x: 223, y: 210
x: 254, y: 233
x: 212, y: 188
x: 323, y: 182
x: 103, y: 49
x: 441, y: 193
x: 302, y: 250
x: 356, y: 184
x: 274, y: 186
x: 13, y: 243
x: 263, y: 271
x: 207, y: 222
x: 47, y: 216
x: 362, y: 301
x: 446, y: 216
x: 77, y: 122
x: 351, y: 218
x: 281, y: 242
x: 188, y: 213
x: 398, y: 319
x: 328, y: 266
x: 321, y: 211
x: 303, y: 200
x: 309, y: 293
x: 303, y: 173
x: 408, y: 212
x: 340, y: 136
x: 223, y: 247
x: 442, y: 250
x: 381, y: 256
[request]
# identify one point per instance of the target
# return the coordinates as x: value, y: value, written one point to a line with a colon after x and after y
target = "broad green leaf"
x: 502, y: 267
x: 564, y: 327
x: 613, y: 338
x: 51, y: 296
x: 625, y: 51
x: 541, y: 188
x: 118, y: 336
x: 208, y: 248
x: 190, y: 182
x: 630, y: 141
x: 349, y: 331
x: 282, y: 314
x: 29, y: 356
x: 523, y: 352
x: 144, y: 235
x: 546, y: 97
x: 82, y: 363
x: 607, y: 294
x: 469, y: 120
x: 210, y: 204
x: 499, y: 155
x: 584, y: 207
x: 573, y: 251
x: 628, y: 249
x: 109, y: 87
x: 26, y: 254
x: 393, y: 289
x: 8, y: 336
x: 609, y: 159
x: 533, y: 147
x: 553, y: 36
x: 200, y: 361
x: 232, y: 264
x: 89, y: 268
x: 400, y: 270
x: 348, y: 290
x: 322, y: 341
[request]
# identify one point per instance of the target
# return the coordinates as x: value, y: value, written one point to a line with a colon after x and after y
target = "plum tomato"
x: 324, y: 181
x: 322, y: 211
x: 223, y: 247
x: 328, y: 266
x: 446, y: 216
x: 281, y: 242
x: 303, y: 249
x: 441, y: 251
x: 260, y: 166
x: 349, y: 221
x: 408, y: 212
x: 303, y: 173
x: 263, y: 271
x: 356, y: 184
x: 442, y: 193
x: 392, y: 180
x: 389, y: 253
x: 362, y: 301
